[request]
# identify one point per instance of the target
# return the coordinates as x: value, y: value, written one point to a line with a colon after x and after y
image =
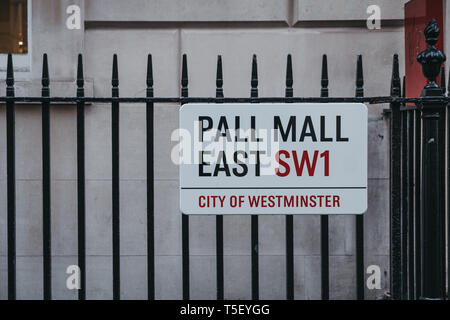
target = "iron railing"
x: 417, y: 189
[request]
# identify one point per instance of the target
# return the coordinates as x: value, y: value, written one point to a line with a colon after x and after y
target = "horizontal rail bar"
x: 370, y: 100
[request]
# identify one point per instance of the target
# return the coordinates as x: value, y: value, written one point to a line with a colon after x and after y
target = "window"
x: 13, y: 26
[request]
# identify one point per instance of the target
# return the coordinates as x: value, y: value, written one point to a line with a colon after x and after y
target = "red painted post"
x: 417, y: 14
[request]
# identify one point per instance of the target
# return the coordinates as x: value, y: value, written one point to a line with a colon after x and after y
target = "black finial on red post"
x: 289, y: 78
x: 431, y: 58
x: 324, y: 78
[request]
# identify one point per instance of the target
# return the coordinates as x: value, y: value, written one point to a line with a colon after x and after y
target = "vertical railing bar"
x: 448, y: 190
x: 254, y: 218
x: 432, y: 199
x: 410, y: 174
x: 289, y: 218
x: 115, y: 181
x: 442, y: 171
x: 184, y: 217
x: 150, y: 185
x: 359, y: 218
x: 417, y: 202
x: 219, y: 218
x: 404, y: 203
x: 433, y: 170
x: 324, y: 220
x: 11, y: 180
x: 46, y: 205
x: 81, y: 193
x: 395, y: 187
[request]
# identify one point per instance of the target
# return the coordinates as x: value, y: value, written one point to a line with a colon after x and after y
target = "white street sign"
x: 308, y: 158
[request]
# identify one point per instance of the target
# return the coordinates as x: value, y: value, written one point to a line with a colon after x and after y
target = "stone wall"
x: 202, y: 29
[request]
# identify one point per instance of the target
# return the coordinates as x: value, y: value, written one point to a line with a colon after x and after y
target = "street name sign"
x: 278, y: 158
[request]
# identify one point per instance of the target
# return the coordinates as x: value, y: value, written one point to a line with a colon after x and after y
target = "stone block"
x: 194, y: 11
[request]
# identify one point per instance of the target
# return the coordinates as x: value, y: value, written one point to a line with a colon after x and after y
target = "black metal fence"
x: 418, y: 186
x: 418, y: 168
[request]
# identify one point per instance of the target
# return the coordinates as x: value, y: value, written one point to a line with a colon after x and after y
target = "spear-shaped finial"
x: 324, y: 79
x: 359, y: 77
x: 80, y: 78
x: 254, y: 80
x: 219, y: 78
x: 404, y: 87
x: 149, y: 71
x: 115, y: 72
x: 184, y: 77
x: 9, y: 77
x: 45, y: 77
x: 431, y: 58
x: 289, y: 77
x: 395, y: 80
x: 149, y: 76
